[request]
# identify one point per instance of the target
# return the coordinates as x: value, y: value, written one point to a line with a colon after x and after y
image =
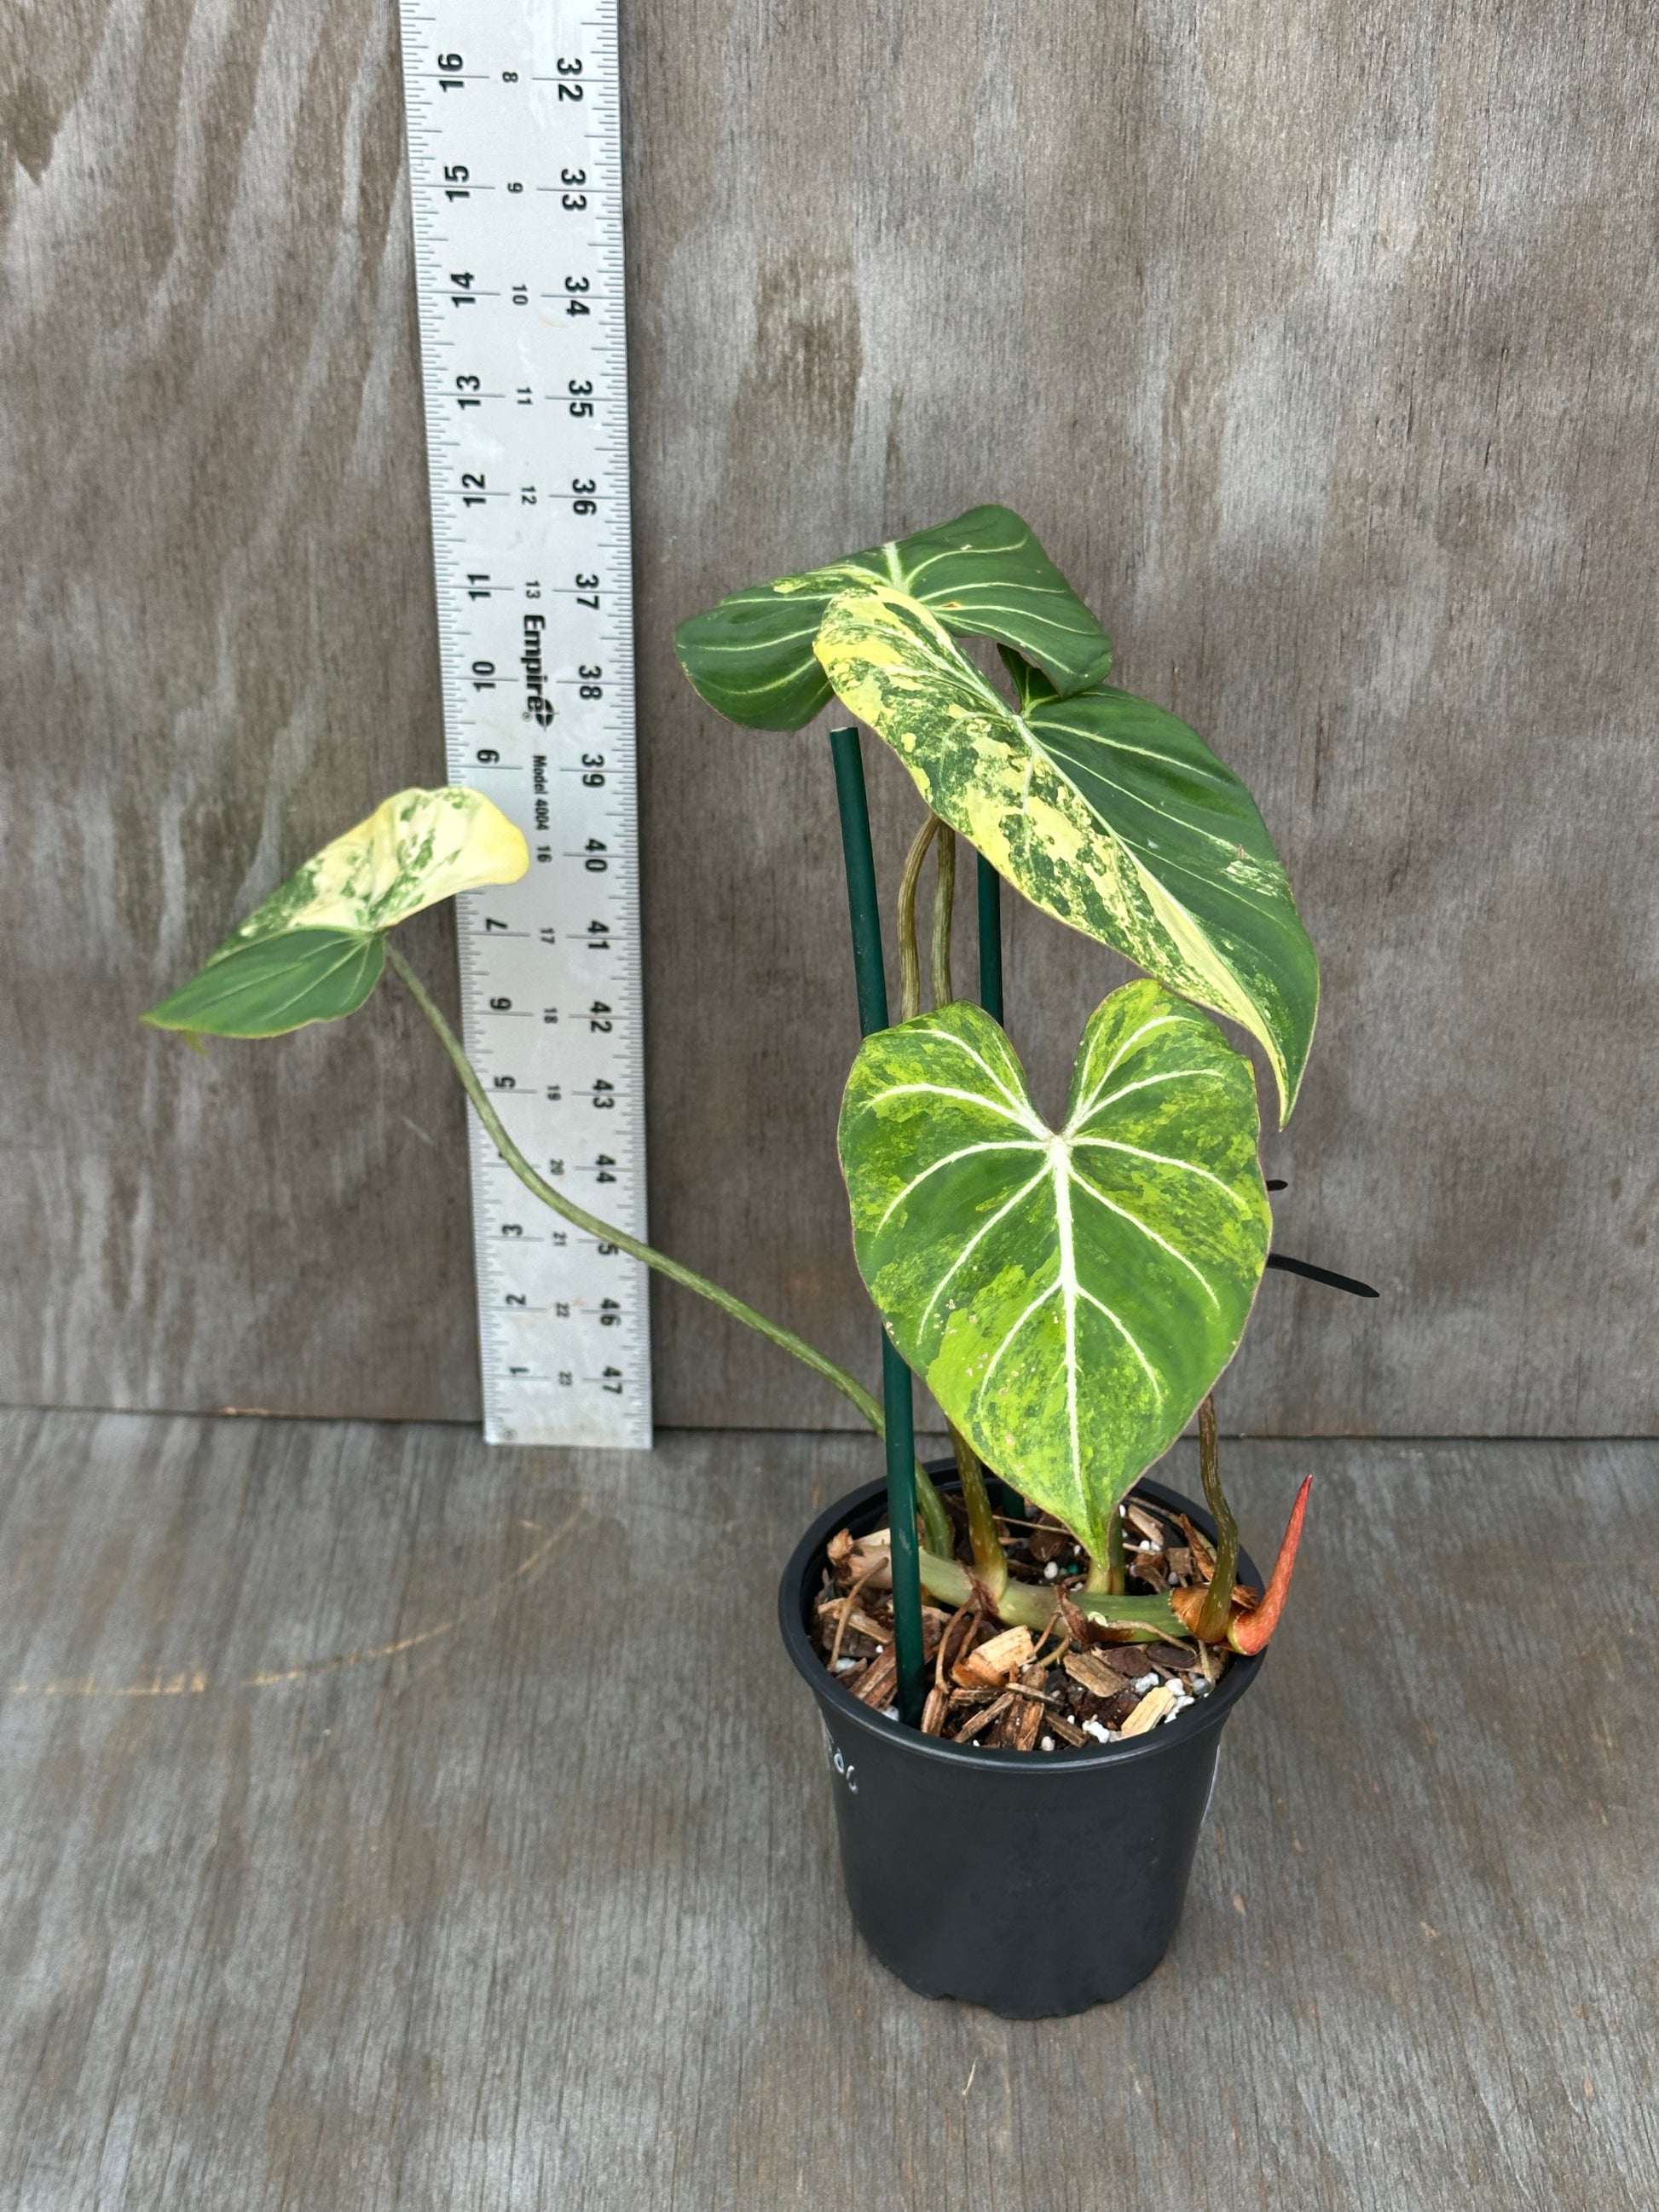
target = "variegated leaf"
x: 983, y: 575
x: 416, y: 847
x: 1103, y: 809
x: 1069, y: 1295
x: 313, y: 951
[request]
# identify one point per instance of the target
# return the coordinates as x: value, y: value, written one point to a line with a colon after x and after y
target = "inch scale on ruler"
x: 515, y: 170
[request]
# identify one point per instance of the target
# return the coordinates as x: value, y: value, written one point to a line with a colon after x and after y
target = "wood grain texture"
x: 1317, y: 342
x: 219, y: 651
x: 352, y: 1855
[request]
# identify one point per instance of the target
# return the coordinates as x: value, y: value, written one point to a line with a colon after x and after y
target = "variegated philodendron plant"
x: 1070, y: 1296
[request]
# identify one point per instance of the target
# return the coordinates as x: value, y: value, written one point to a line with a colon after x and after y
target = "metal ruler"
x: 515, y: 169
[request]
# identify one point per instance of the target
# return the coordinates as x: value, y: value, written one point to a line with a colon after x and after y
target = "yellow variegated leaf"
x: 416, y: 847
x: 313, y: 951
x: 1103, y: 810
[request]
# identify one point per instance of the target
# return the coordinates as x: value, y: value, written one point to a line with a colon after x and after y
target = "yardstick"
x: 515, y: 172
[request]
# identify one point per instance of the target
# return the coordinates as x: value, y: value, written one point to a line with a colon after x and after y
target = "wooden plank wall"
x: 1317, y: 340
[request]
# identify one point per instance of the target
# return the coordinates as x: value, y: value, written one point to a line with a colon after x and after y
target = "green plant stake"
x: 868, y: 973
x: 871, y: 979
x: 990, y: 937
x: 900, y: 1443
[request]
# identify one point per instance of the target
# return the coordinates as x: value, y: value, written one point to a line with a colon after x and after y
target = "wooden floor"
x: 379, y: 1827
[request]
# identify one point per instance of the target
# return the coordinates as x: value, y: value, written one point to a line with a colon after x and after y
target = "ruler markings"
x: 514, y: 141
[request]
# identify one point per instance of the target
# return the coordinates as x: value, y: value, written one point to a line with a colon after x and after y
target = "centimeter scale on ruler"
x: 515, y: 165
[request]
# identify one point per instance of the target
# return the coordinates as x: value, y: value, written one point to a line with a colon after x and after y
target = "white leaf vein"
x: 948, y: 1159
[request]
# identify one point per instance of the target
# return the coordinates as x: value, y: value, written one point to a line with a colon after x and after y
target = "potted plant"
x: 1024, y: 1657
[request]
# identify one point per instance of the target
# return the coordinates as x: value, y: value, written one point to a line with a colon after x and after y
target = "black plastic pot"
x: 1031, y: 1883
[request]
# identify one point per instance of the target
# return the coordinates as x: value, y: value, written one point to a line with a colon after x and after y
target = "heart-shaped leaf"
x: 1103, y: 810
x: 1068, y: 1296
x: 983, y: 575
x: 313, y: 951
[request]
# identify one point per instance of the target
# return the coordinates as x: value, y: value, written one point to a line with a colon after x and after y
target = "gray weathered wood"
x: 386, y: 1822
x: 220, y: 650
x: 1317, y: 344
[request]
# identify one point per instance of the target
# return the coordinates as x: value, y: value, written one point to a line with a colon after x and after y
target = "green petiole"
x: 935, y: 1520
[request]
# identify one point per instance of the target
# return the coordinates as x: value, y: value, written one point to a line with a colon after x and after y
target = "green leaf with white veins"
x: 1103, y: 810
x: 1068, y: 1296
x: 983, y: 576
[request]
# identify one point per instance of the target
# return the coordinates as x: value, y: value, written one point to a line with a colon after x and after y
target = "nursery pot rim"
x: 1199, y: 1718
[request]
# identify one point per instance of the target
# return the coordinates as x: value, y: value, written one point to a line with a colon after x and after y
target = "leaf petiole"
x: 910, y: 959
x: 990, y: 1561
x: 934, y: 1517
x: 1218, y: 1598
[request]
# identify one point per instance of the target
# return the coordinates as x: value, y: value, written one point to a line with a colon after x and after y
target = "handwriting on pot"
x: 847, y: 1772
